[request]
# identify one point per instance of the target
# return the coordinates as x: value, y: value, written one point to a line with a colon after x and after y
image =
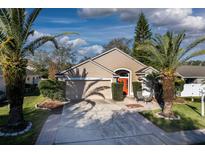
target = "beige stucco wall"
x: 115, y: 60
x: 89, y: 70
x: 82, y: 89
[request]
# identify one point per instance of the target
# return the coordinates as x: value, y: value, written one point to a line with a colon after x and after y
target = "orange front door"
x: 125, y: 84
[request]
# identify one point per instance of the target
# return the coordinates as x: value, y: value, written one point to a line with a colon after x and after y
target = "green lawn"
x: 37, y: 117
x: 190, y: 118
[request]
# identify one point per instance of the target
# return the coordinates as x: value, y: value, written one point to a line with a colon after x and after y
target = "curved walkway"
x: 105, y: 122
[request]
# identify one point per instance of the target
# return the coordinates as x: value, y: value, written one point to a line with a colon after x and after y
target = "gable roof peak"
x: 101, y: 54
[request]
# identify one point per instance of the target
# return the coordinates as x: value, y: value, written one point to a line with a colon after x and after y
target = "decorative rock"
x: 167, y: 118
x: 13, y: 134
x: 29, y: 126
x: 21, y: 132
x: 6, y: 134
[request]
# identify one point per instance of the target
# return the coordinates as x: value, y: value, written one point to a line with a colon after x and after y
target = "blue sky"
x: 93, y: 29
x: 96, y: 27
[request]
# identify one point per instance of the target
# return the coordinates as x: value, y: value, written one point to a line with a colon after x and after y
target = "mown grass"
x: 37, y: 117
x: 190, y: 118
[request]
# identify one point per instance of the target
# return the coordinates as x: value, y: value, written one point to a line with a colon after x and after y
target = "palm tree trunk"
x: 168, y: 95
x: 15, y: 85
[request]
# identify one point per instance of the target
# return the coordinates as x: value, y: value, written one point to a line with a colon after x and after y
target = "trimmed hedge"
x: 31, y: 90
x: 137, y: 86
x: 117, y: 91
x: 52, y: 89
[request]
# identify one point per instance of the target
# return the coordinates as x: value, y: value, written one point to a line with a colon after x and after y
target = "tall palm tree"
x: 15, y: 28
x: 168, y: 55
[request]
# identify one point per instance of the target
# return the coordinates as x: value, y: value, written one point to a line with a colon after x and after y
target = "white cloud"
x: 72, y: 43
x: 78, y: 45
x: 63, y: 41
x: 90, y: 50
x: 176, y: 19
x: 193, y: 23
x: 36, y: 35
x: 77, y: 42
x: 169, y: 16
x: 95, y: 12
x: 58, y: 20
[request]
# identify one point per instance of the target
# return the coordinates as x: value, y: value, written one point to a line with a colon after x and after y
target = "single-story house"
x: 32, y: 78
x: 192, y: 74
x: 93, y: 77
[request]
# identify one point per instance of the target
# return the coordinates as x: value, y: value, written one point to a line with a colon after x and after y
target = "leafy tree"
x: 44, y: 61
x: 142, y: 33
x: 40, y: 61
x: 120, y: 43
x: 196, y: 63
x: 52, y: 70
x: 168, y: 54
x: 84, y: 59
x: 15, y: 28
x: 63, y: 57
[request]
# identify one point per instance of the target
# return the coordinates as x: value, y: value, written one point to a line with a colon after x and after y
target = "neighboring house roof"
x: 94, y: 62
x: 28, y: 72
x: 188, y: 71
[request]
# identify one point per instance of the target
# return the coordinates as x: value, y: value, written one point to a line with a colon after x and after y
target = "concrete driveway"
x: 107, y: 122
x: 101, y: 122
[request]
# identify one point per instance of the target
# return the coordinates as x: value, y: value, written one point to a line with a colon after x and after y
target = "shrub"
x: 52, y: 89
x: 117, y: 91
x: 31, y: 90
x: 179, y: 85
x: 2, y: 95
x: 137, y: 86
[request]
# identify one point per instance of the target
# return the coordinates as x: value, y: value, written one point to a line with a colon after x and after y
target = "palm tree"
x: 15, y: 28
x: 168, y: 55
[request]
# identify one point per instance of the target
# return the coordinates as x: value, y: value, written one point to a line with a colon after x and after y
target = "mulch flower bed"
x: 134, y: 106
x: 50, y: 105
x: 179, y: 100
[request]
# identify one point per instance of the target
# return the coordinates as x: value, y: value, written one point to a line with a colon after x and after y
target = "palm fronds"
x: 167, y: 50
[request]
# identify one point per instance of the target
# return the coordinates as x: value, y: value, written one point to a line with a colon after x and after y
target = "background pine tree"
x: 142, y: 33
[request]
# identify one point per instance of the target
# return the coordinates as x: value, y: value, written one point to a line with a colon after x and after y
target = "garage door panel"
x: 80, y: 89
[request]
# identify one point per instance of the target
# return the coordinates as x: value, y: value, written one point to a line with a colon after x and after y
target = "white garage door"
x: 89, y: 89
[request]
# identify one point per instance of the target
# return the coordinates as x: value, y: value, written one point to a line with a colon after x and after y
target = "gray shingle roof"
x: 189, y: 71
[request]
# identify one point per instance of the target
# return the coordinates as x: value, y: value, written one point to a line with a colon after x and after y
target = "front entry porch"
x: 124, y: 76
